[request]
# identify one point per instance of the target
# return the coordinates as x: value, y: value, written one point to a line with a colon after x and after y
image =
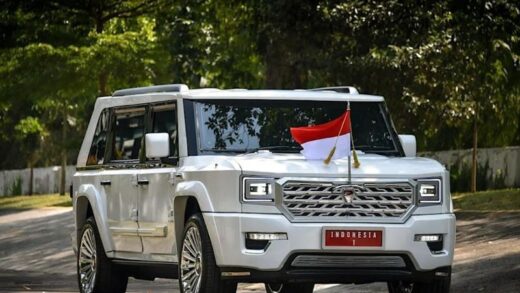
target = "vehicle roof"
x: 312, y: 95
x: 217, y: 94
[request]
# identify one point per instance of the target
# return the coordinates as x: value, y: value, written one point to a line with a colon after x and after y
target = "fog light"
x: 428, y: 238
x: 266, y: 236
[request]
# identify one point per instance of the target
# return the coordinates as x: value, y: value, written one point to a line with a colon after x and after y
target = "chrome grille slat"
x: 349, y: 261
x: 304, y: 200
x: 347, y: 210
x: 341, y: 201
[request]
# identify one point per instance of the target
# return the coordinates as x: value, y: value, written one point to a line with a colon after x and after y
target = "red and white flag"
x: 318, y: 140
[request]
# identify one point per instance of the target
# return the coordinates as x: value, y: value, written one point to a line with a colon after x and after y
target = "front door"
x: 122, y: 210
x: 122, y: 183
x: 156, y: 225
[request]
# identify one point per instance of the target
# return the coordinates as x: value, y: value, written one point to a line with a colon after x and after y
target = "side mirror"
x: 157, y: 145
x: 409, y: 144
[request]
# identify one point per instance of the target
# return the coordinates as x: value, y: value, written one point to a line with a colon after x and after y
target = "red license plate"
x: 354, y: 238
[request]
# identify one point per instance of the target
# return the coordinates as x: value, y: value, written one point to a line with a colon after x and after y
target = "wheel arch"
x: 195, y: 191
x: 184, y: 207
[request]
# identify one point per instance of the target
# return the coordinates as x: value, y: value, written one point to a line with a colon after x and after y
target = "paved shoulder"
x: 13, y: 218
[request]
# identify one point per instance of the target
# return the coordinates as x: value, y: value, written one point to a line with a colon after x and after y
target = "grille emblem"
x: 347, y: 191
x: 348, y: 198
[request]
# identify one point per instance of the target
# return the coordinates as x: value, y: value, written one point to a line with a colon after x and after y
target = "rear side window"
x: 128, y: 132
x: 96, y: 154
x: 165, y: 120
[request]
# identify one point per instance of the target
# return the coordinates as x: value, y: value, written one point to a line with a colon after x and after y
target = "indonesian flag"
x: 318, y: 140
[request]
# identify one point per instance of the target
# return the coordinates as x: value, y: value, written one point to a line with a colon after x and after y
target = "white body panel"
x: 227, y: 232
x: 156, y: 220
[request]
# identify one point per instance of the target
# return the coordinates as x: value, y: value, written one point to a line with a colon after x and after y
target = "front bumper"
x: 227, y: 233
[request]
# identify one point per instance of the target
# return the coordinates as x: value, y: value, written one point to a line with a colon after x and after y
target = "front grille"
x: 348, y: 261
x: 327, y: 200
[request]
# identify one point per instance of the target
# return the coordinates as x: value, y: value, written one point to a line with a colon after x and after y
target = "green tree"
x: 48, y: 73
x: 32, y: 134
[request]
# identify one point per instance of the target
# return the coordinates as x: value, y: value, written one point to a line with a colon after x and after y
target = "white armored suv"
x: 209, y: 187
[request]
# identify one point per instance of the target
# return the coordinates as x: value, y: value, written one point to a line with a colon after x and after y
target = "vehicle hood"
x: 284, y: 165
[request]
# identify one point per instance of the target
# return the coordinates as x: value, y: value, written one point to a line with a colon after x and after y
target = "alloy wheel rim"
x: 191, y: 261
x: 87, y: 261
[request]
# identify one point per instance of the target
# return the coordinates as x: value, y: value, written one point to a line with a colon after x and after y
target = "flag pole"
x: 333, y: 150
x: 349, y: 164
x: 354, y: 154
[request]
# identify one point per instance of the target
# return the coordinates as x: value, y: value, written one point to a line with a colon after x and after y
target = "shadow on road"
x: 36, y: 255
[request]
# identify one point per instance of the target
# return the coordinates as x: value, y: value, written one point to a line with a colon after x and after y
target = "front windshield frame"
x: 194, y: 145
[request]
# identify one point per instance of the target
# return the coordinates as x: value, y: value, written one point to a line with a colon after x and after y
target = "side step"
x: 148, y: 270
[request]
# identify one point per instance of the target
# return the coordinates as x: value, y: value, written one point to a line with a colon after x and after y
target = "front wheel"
x: 289, y: 288
x: 441, y: 285
x: 96, y: 273
x: 198, y: 271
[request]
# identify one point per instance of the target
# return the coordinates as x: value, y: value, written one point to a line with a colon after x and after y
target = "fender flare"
x: 88, y: 195
x: 183, y: 192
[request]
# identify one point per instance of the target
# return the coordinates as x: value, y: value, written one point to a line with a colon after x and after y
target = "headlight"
x: 429, y: 190
x: 258, y: 189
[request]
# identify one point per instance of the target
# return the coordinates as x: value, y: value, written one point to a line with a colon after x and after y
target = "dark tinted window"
x: 96, y: 154
x: 128, y: 131
x: 246, y: 125
x: 371, y: 133
x: 165, y: 120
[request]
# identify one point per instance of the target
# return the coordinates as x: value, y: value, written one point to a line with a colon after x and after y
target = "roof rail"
x: 165, y: 88
x: 339, y: 89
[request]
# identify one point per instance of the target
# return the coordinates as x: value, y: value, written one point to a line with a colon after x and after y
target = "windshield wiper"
x: 281, y: 148
x: 372, y: 147
x: 275, y: 148
x: 219, y: 150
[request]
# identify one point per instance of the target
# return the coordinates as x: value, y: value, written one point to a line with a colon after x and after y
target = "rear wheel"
x: 289, y: 288
x: 96, y: 273
x: 198, y: 271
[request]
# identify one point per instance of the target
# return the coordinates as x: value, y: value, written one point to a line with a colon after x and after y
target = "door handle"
x: 143, y: 182
x: 106, y: 182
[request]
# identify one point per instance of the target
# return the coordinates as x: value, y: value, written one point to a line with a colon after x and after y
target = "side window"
x: 96, y: 154
x: 165, y: 120
x: 128, y: 131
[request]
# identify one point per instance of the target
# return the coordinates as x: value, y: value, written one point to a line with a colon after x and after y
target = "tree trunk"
x: 63, y: 172
x: 273, y: 71
x: 31, y: 178
x: 474, y: 163
x: 63, y: 152
x: 103, y: 74
x: 103, y: 81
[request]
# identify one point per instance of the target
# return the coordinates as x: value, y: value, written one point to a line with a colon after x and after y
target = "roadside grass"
x: 491, y: 200
x: 28, y: 202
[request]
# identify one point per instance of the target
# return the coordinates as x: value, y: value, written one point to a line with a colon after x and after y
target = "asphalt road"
x: 35, y: 255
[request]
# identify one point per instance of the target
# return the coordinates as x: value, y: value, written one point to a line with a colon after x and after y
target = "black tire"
x: 440, y: 285
x: 289, y: 287
x: 107, y: 276
x: 207, y: 270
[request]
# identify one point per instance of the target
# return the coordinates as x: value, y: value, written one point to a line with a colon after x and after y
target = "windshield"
x: 239, y: 126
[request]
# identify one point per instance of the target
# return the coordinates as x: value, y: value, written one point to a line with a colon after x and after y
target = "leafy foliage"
x: 442, y: 65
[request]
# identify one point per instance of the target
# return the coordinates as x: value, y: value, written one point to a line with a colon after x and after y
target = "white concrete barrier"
x: 45, y: 180
x: 503, y: 163
x: 500, y: 164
